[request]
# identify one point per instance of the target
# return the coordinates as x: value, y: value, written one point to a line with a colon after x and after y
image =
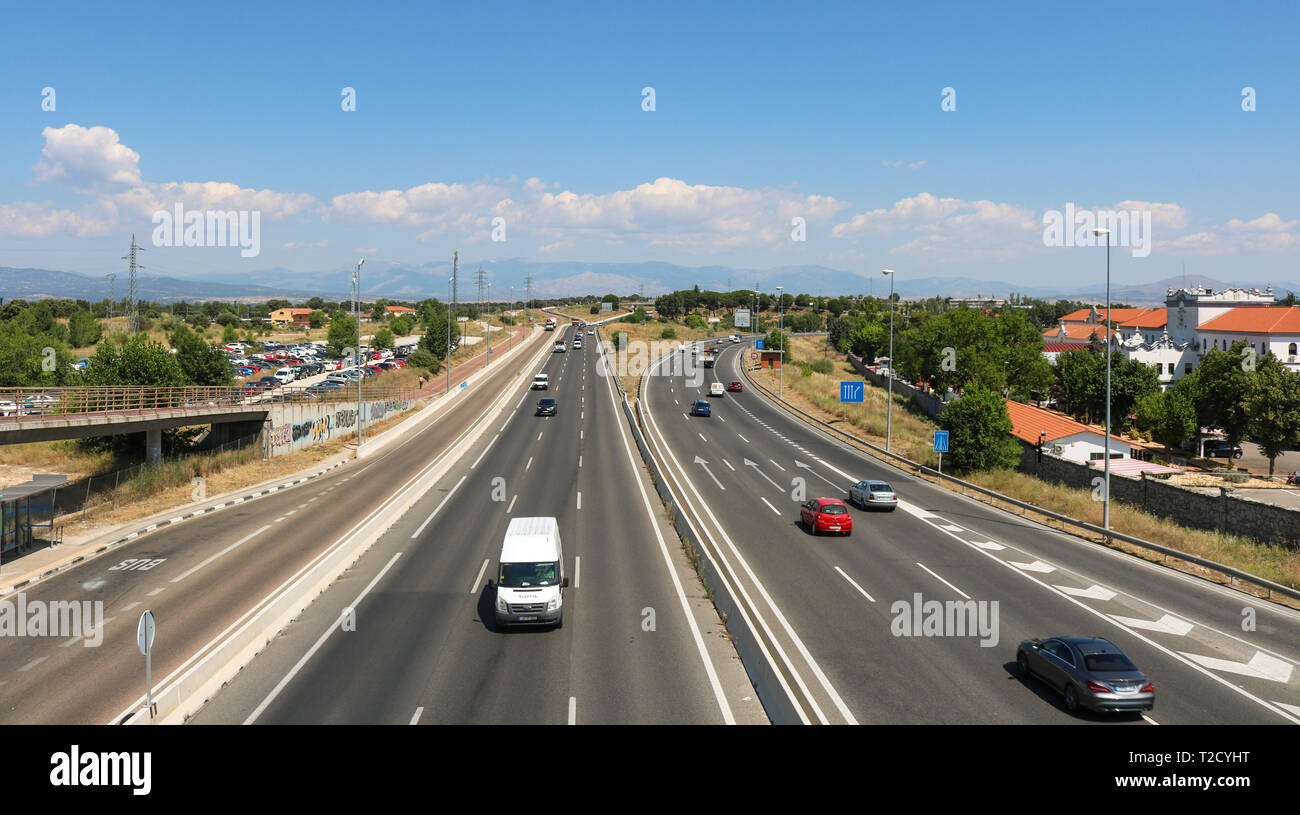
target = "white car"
x: 284, y: 376
x: 591, y: 332
x: 559, y: 347
x: 716, y: 390
x: 8, y: 408
x: 541, y: 382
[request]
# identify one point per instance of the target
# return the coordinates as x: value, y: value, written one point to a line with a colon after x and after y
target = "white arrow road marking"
x: 1092, y: 592
x: 1261, y: 666
x: 1036, y: 566
x: 989, y: 545
x: 700, y: 461
x: 1168, y: 624
x: 952, y: 527
x: 809, y: 468
x: 754, y: 464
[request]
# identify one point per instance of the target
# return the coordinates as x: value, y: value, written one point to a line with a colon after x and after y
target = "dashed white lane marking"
x: 539, y: 435
x: 573, y: 710
x: 579, y: 461
x: 728, y: 463
x: 952, y: 527
x: 309, y: 500
x: 1168, y: 624
x: 1092, y: 592
x: 724, y: 421
x: 478, y: 581
x: 742, y: 438
x: 992, y: 546
x: 301, y: 506
x: 778, y: 466
x: 701, y: 435
x: 416, y: 718
x: 32, y: 664
x: 281, y: 518
x: 129, y: 606
x: 769, y: 506
x: 577, y: 570
x: 290, y: 512
x: 945, y: 582
x: 855, y: 584
x: 1260, y: 666
x: 1036, y: 566
x: 156, y: 592
x: 529, y: 464
x: 579, y: 499
x: 441, y: 504
x: 511, y: 508
x: 1153, y: 721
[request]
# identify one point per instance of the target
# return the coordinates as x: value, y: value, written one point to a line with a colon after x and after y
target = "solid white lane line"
x: 441, y: 504
x: 855, y: 584
x: 229, y: 548
x: 511, y: 508
x: 485, y: 450
x: 769, y: 506
x: 478, y: 581
x: 416, y: 718
x: 252, y: 717
x: 945, y: 582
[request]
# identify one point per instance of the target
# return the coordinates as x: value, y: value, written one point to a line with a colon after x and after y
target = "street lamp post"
x: 356, y: 310
x: 449, y: 282
x: 1105, y: 511
x: 889, y: 408
x: 780, y: 337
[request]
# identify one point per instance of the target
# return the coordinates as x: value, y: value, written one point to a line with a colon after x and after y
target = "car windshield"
x: 833, y: 509
x: 546, y: 402
x: 881, y: 488
x: 528, y: 575
x: 1108, y: 662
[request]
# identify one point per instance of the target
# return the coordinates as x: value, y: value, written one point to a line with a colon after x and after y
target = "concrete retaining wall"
x: 293, y: 426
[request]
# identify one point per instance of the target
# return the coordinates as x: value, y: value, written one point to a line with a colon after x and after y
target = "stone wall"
x: 1210, y: 508
x: 928, y: 404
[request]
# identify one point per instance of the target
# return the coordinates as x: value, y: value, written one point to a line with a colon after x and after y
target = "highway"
x: 210, y: 572
x: 639, y: 644
x: 825, y: 605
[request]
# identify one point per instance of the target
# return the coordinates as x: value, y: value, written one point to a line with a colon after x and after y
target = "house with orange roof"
x: 1268, y: 330
x: 399, y: 310
x: 1062, y: 436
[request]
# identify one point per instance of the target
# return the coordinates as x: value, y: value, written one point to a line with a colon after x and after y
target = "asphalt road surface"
x: 827, y: 604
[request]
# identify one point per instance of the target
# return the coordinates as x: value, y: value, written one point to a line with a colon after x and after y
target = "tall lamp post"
x: 449, y: 282
x: 780, y: 337
x: 1105, y: 511
x: 889, y: 408
x: 356, y: 282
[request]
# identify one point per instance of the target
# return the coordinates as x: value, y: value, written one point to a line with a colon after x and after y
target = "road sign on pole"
x: 851, y: 392
x: 741, y: 318
x: 144, y: 639
x: 941, y: 446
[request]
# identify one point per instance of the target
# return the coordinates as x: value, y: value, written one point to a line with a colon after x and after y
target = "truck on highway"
x: 550, y: 323
x: 530, y: 578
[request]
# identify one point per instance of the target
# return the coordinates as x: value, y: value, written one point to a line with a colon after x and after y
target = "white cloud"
x: 89, y: 159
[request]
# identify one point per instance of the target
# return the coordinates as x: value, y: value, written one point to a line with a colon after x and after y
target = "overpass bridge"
x: 47, y: 414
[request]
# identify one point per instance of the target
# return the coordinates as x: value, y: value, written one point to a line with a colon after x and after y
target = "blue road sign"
x: 760, y: 345
x: 851, y: 391
x: 941, y: 441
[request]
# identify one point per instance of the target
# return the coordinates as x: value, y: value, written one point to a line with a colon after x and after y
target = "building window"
x: 1290, y: 349
x: 1094, y: 456
x: 1187, y: 367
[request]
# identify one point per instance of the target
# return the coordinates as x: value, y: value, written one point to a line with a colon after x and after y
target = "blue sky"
x: 763, y: 112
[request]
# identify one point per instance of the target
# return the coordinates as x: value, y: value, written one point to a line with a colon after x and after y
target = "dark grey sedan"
x: 1091, y: 672
x: 546, y: 407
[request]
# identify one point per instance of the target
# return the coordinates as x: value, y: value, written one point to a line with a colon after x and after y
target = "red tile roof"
x: 1117, y: 314
x: 1155, y: 318
x: 1027, y: 421
x: 1260, y: 320
x: 1080, y: 333
x: 1057, y: 347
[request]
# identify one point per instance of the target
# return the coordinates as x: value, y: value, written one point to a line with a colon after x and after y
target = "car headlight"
x: 553, y: 603
x: 501, y: 604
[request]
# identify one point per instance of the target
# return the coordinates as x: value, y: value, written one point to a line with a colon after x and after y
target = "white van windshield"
x: 528, y: 575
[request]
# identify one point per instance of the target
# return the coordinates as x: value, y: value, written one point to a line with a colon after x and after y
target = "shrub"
x: 669, y: 333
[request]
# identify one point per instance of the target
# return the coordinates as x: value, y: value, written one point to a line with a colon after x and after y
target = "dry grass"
x: 818, y: 395
x: 19, y: 462
x: 650, y: 333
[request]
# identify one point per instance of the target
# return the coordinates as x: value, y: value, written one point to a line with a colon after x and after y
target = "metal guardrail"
x: 921, y: 470
x: 30, y: 405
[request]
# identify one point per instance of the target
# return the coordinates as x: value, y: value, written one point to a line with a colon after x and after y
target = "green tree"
x: 201, y: 363
x: 342, y: 333
x: 694, y: 321
x: 383, y: 338
x: 1272, y: 401
x: 28, y: 360
x: 1218, y: 388
x: 136, y: 361
x: 776, y: 340
x: 317, y: 319
x: 433, y: 316
x: 315, y: 303
x: 979, y: 432
x: 402, y: 325
x: 83, y: 329
x: 1170, y: 417
x: 425, y: 361
x: 229, y: 334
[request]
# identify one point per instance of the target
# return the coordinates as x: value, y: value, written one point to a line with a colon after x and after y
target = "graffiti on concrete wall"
x: 281, y: 438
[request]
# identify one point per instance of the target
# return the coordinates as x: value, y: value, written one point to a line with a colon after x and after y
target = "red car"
x: 400, y: 363
x: 826, y: 515
x: 735, y: 387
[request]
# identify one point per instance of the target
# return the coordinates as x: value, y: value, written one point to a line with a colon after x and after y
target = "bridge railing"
x: 37, y: 404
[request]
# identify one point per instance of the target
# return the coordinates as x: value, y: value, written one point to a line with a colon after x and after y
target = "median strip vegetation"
x: 817, y: 393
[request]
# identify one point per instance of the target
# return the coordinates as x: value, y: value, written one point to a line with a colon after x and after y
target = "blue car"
x: 701, y: 408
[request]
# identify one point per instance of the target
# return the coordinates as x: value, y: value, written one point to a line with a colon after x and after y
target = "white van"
x: 541, y: 382
x: 530, y: 579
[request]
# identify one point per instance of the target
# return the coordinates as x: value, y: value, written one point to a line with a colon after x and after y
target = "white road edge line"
x: 416, y: 718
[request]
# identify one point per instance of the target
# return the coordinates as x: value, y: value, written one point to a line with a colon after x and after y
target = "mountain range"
x: 561, y: 279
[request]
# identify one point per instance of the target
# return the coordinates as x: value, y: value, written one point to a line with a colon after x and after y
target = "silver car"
x: 873, y: 495
x: 1091, y: 672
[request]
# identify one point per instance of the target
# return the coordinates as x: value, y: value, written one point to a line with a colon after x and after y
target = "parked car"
x: 245, y: 371
x: 268, y: 382
x: 8, y: 407
x: 1222, y: 449
x: 873, y: 495
x: 826, y: 515
x: 1090, y: 672
x: 701, y: 408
